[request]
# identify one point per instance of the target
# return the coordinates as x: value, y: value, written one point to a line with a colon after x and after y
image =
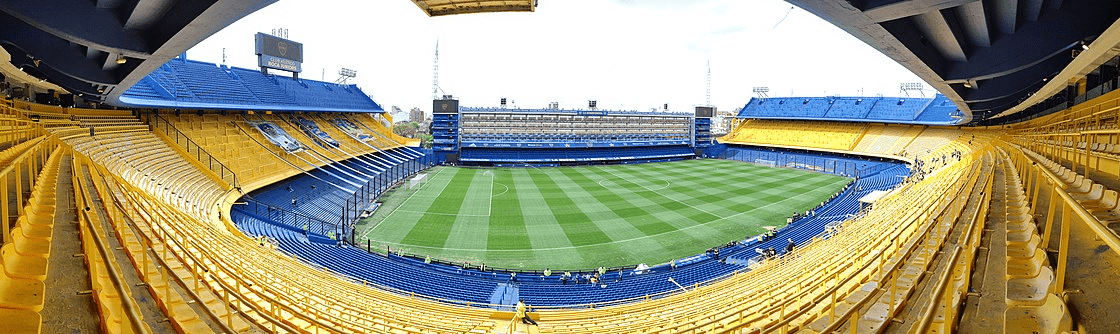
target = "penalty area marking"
x: 370, y: 230
x: 503, y: 191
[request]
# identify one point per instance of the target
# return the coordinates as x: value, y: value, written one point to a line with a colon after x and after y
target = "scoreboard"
x: 278, y: 53
x: 705, y: 112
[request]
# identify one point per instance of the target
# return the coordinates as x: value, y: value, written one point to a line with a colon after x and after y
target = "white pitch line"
x: 598, y: 244
x: 490, y: 206
x: 441, y: 214
x: 370, y: 230
x: 503, y: 191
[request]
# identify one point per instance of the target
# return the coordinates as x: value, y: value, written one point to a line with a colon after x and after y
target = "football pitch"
x: 589, y: 216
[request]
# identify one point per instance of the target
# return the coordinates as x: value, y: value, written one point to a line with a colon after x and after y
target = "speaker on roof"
x: 503, y: 102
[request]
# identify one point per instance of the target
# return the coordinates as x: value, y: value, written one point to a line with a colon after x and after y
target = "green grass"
x: 585, y: 217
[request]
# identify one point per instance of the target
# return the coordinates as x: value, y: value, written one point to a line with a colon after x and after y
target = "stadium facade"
x: 225, y: 199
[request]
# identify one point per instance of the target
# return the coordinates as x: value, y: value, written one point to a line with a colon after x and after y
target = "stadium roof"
x: 988, y: 57
x: 452, y: 7
x: 91, y: 48
x: 191, y: 84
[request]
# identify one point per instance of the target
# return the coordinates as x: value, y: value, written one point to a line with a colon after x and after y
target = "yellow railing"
x: 132, y: 320
x: 944, y: 210
x: 273, y: 288
x: 961, y: 261
x: 24, y: 161
x: 1040, y: 179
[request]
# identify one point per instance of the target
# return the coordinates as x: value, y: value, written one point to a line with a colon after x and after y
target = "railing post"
x: 1063, y: 248
x: 4, y: 239
x: 1053, y: 206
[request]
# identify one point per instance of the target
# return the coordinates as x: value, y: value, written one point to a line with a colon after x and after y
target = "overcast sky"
x: 627, y: 54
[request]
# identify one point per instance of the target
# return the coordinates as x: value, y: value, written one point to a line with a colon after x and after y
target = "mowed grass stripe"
x: 620, y: 219
x: 471, y: 228
x: 506, y: 225
x: 544, y: 231
x: 434, y: 226
x: 567, y: 213
x: 737, y: 196
x: 617, y: 227
x: 584, y: 217
x: 663, y: 224
x: 681, y: 194
x: 646, y: 216
x: 657, y: 201
x: 403, y: 207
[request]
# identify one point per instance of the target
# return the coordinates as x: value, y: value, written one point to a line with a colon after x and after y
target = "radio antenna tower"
x: 435, y: 72
x: 708, y: 91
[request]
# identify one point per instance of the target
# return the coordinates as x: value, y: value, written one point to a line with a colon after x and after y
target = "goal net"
x: 417, y: 181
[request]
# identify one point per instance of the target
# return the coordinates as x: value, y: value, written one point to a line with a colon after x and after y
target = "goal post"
x: 417, y: 181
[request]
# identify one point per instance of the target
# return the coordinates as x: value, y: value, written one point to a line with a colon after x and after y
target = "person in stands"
x: 547, y: 273
x: 790, y: 246
x: 522, y: 312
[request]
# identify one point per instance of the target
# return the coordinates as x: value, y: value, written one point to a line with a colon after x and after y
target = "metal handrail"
x: 1095, y: 224
x: 225, y: 173
x: 254, y: 207
x: 131, y: 311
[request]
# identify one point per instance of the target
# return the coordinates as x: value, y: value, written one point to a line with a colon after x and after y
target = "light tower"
x: 763, y: 91
x: 708, y: 91
x: 907, y: 87
x: 435, y: 73
x: 345, y: 74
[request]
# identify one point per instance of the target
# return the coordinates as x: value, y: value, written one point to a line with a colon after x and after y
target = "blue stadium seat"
x: 469, y: 285
x: 188, y: 83
x: 934, y: 111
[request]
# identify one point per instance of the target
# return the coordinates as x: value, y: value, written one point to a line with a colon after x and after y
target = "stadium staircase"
x: 505, y: 294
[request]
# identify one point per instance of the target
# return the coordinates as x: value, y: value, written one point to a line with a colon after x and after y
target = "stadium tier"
x: 161, y: 198
x: 545, y: 137
x: 938, y: 110
x: 193, y: 197
x: 190, y: 84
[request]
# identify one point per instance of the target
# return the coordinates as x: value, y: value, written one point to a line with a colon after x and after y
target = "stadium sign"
x: 278, y: 53
x: 279, y: 63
